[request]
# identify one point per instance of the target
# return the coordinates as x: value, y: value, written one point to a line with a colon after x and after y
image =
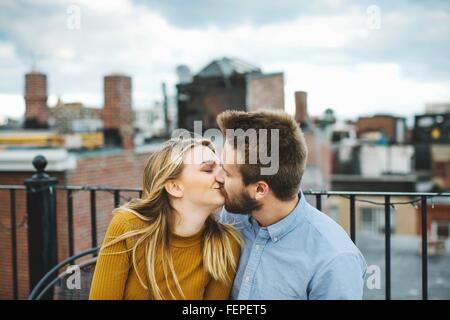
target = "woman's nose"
x: 219, y: 176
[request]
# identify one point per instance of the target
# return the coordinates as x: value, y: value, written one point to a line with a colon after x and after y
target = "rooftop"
x: 226, y: 67
x: 19, y: 158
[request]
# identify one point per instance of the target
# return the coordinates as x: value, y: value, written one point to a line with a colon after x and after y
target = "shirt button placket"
x: 250, y: 270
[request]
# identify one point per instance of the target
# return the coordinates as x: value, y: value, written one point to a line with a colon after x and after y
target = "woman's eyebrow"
x: 209, y: 162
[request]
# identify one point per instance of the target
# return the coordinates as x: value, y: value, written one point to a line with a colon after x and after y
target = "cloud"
x: 324, y: 47
x: 232, y: 13
x: 362, y: 90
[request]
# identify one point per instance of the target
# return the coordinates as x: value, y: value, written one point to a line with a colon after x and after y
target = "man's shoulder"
x: 331, y: 243
x: 329, y: 234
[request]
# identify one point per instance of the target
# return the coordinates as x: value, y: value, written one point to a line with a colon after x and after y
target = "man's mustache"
x: 222, y: 190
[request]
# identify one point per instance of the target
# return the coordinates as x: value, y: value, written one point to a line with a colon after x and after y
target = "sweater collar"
x: 189, y: 241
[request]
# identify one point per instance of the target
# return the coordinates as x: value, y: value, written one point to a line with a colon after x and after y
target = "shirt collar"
x: 284, y: 226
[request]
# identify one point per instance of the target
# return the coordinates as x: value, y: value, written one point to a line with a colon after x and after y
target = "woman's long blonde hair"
x: 155, y: 208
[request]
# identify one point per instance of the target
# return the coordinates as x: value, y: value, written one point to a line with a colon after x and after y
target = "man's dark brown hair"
x: 292, y: 148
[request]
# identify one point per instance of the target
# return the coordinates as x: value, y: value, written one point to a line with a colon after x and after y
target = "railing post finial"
x: 39, y: 164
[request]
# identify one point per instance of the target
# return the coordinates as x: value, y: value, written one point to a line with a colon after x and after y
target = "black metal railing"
x: 421, y: 198
x: 12, y: 229
x: 48, y: 194
x: 49, y: 279
x: 70, y: 190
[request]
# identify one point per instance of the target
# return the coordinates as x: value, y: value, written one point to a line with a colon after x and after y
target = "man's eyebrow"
x: 223, y: 168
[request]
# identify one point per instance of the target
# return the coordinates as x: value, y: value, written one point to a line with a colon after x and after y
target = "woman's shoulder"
x: 128, y: 219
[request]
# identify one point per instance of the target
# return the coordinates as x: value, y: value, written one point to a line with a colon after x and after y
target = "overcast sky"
x: 336, y: 50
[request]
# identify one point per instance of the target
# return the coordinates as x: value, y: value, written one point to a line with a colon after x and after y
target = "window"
x: 372, y: 219
x: 425, y: 122
x: 441, y: 229
x: 334, y: 213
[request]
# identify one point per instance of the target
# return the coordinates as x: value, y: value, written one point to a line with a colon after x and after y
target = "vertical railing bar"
x: 14, y: 244
x: 140, y: 194
x: 424, y: 248
x: 352, y: 219
x: 70, y: 222
x: 387, y: 238
x: 93, y: 219
x: 116, y: 198
x: 319, y: 202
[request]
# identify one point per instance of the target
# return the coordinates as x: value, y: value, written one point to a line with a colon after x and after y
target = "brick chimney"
x: 117, y: 111
x: 301, y: 107
x: 36, y: 109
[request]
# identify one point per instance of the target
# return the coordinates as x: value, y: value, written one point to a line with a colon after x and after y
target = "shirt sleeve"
x: 111, y: 271
x: 217, y: 290
x: 341, y: 279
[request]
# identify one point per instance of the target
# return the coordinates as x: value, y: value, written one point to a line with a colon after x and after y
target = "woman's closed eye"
x: 208, y: 167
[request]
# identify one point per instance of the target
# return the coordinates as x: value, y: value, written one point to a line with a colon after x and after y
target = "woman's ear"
x: 174, y: 188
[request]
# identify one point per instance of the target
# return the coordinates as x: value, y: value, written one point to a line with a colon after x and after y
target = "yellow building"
x: 370, y: 209
x: 371, y: 217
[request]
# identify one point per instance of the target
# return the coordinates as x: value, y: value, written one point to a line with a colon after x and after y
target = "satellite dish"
x: 184, y: 74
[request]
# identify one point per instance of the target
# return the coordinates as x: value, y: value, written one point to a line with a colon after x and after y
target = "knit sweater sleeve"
x: 113, y: 264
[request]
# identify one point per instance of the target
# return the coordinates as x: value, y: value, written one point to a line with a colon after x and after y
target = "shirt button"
x: 247, y: 279
x: 257, y: 247
x: 275, y: 239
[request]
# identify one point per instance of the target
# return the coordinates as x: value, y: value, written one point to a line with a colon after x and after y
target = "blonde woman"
x: 168, y: 244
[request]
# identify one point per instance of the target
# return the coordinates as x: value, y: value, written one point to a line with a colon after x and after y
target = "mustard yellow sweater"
x: 115, y: 278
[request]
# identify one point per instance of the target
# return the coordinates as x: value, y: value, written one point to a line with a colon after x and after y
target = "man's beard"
x: 241, y: 204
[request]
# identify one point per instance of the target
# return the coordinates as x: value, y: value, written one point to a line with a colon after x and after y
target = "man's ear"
x: 174, y: 188
x: 261, y: 190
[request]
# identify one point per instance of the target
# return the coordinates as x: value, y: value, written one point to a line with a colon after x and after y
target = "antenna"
x: 165, y: 107
x: 184, y: 74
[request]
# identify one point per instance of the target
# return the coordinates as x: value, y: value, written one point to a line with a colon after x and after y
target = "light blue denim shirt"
x: 306, y: 255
